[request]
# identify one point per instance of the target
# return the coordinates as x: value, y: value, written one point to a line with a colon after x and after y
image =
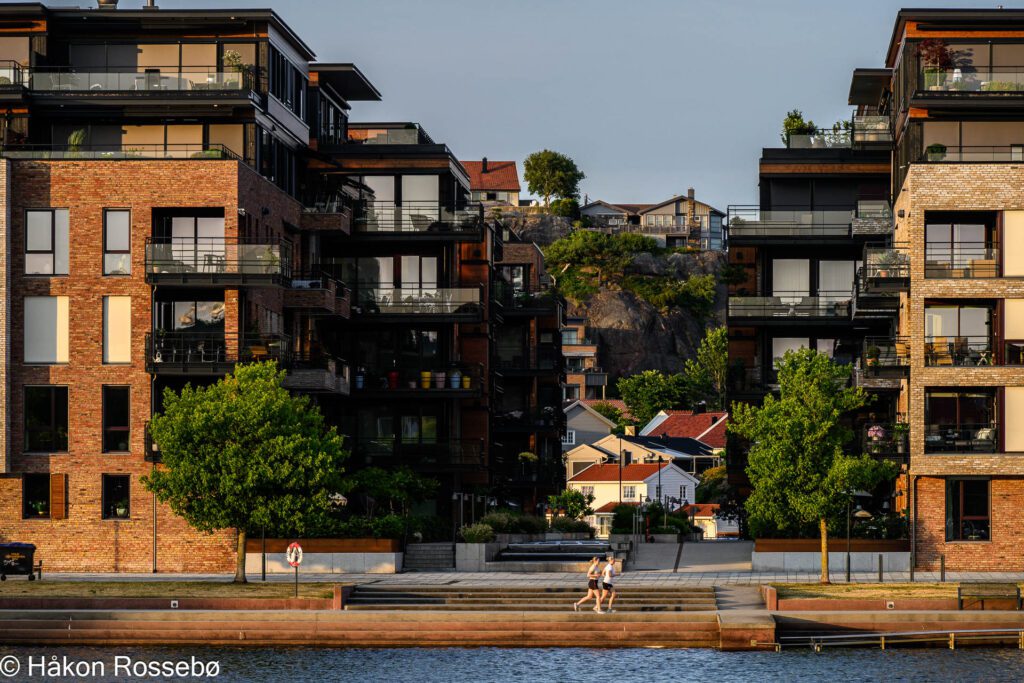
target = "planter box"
x: 327, y: 563
x: 811, y: 562
x: 505, y: 539
x: 473, y: 557
x: 326, y: 545
x: 806, y: 545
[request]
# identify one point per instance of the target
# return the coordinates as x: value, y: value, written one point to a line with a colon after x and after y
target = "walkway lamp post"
x: 860, y: 513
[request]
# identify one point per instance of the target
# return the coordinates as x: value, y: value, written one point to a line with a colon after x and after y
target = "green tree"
x: 614, y: 414
x: 395, y: 489
x: 794, y: 124
x: 243, y: 454
x: 572, y: 503
x: 713, y: 486
x: 651, y: 391
x: 707, y: 374
x: 796, y: 463
x: 550, y: 174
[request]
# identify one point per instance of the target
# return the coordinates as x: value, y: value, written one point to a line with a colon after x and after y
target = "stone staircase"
x: 428, y: 556
x: 525, y: 598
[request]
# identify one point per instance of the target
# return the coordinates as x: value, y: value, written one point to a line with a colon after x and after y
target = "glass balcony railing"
x: 379, y: 134
x: 119, y: 152
x: 12, y: 74
x: 961, y: 260
x: 821, y: 139
x: 880, y: 353
x: 791, y: 305
x: 149, y: 80
x: 444, y: 301
x: 420, y: 450
x: 959, y: 351
x: 419, y: 217
x: 871, y: 129
x: 217, y: 259
x: 829, y: 221
x: 936, y: 152
x: 183, y: 352
x: 961, y: 438
x: 996, y: 79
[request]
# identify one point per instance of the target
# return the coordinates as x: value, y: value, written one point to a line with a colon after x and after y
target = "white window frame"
x: 569, y: 438
x: 587, y: 490
x: 628, y: 492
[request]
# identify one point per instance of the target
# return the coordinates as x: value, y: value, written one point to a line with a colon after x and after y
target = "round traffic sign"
x: 294, y: 555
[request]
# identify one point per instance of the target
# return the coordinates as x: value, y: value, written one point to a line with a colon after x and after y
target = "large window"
x: 46, y: 419
x: 960, y: 421
x: 117, y: 242
x: 958, y: 335
x: 116, y: 419
x: 116, y: 496
x: 46, y: 329
x: 570, y: 336
x: 959, y: 248
x: 35, y: 496
x: 968, y: 510
x: 46, y: 242
x: 117, y: 329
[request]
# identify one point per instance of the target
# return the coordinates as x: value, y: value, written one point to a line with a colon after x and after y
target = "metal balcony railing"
x: 432, y: 377
x: 791, y: 305
x: 886, y: 352
x: 529, y: 419
x: 156, y: 79
x: 217, y: 259
x: 418, y: 218
x: 425, y: 301
x: 977, y: 351
x: 1008, y: 153
x: 885, y: 439
x: 174, y: 352
x: 420, y: 451
x: 801, y: 221
x: 961, y: 260
x: 141, y: 152
x: 961, y: 438
x: 12, y: 74
x: 317, y: 373
x: 886, y: 262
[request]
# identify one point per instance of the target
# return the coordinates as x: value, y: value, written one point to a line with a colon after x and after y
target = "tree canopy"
x: 651, y: 391
x: 706, y: 375
x: 572, y: 503
x: 796, y: 462
x: 550, y: 174
x: 244, y: 453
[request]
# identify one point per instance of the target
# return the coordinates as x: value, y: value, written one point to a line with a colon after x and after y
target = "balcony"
x: 457, y: 381
x: 885, y: 363
x: 317, y: 374
x: 784, y: 225
x: 415, y: 220
x: 960, y: 260
x: 988, y: 82
x: 326, y: 217
x: 963, y: 352
x: 169, y: 81
x: 13, y: 76
x: 886, y: 269
x: 872, y: 131
x: 821, y: 139
x: 420, y: 454
x: 961, y: 438
x: 787, y: 307
x: 437, y: 304
x: 317, y: 293
x: 976, y: 154
x: 540, y: 360
x: 146, y: 152
x: 516, y: 301
x: 747, y: 381
x: 529, y: 420
x: 886, y: 441
x: 217, y: 261
x: 169, y: 353
x: 388, y: 134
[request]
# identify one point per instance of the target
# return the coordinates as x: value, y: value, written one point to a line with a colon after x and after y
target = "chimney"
x: 690, y: 194
x: 150, y: 4
x: 483, y: 165
x: 107, y: 4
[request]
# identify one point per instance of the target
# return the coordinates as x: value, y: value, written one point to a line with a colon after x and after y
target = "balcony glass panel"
x: 418, y: 300
x: 417, y: 217
x: 994, y: 79
x: 153, y: 79
x: 871, y: 129
x: 752, y: 221
x: 217, y: 256
x: 791, y: 305
x: 822, y: 139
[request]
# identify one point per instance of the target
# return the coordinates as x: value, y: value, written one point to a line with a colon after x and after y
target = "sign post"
x: 294, y: 556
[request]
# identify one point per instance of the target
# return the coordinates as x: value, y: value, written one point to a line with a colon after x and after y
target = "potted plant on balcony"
x: 872, y: 356
x: 360, y: 378
x: 40, y: 507
x: 936, y: 151
x: 455, y: 378
x: 876, y: 433
x: 121, y: 509
x: 425, y: 378
x: 439, y: 379
x: 900, y: 432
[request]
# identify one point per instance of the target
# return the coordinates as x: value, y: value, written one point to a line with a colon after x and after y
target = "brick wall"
x: 84, y: 541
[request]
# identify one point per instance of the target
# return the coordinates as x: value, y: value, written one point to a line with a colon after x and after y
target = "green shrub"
x: 430, y: 528
x: 622, y: 519
x: 528, y: 524
x: 501, y: 521
x: 566, y: 208
x: 388, y: 526
x: 570, y: 526
x: 477, y: 533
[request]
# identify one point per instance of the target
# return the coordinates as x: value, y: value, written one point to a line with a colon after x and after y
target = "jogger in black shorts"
x: 593, y: 586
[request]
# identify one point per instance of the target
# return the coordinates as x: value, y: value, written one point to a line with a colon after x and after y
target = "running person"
x: 593, y: 586
x: 607, y: 584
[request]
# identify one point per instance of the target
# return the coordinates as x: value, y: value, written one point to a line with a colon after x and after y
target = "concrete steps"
x: 428, y: 556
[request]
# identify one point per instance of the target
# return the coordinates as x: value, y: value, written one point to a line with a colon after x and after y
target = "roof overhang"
x: 347, y: 80
x: 867, y: 86
x: 937, y: 19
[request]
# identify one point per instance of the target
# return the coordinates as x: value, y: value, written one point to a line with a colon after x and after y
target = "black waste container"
x: 17, y: 559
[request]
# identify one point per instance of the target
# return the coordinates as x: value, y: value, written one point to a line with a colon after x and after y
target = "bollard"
x: 880, y: 578
x: 942, y: 568
x: 847, y: 567
x: 911, y: 570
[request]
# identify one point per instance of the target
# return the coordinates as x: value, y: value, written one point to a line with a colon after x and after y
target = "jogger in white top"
x: 607, y: 584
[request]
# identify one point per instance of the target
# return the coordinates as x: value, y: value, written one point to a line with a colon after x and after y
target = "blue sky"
x: 649, y: 96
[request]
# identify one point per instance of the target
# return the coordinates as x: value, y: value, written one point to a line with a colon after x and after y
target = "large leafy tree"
x: 797, y: 467
x: 244, y: 453
x: 550, y: 174
x: 707, y: 374
x: 572, y: 503
x: 651, y: 391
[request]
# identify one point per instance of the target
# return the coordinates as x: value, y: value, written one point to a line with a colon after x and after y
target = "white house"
x: 705, y: 516
x: 637, y: 483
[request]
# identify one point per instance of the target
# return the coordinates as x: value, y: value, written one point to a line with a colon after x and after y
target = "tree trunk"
x: 824, y: 551
x: 240, y: 559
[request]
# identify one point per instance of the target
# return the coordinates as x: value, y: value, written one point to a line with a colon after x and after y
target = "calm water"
x: 508, y: 666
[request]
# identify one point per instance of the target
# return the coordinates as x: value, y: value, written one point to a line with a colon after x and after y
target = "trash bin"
x: 17, y: 559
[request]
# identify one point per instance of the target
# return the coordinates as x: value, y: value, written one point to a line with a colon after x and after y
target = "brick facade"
x: 957, y: 187
x: 84, y: 541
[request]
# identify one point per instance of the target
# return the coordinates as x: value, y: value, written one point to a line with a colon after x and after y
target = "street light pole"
x: 849, y: 500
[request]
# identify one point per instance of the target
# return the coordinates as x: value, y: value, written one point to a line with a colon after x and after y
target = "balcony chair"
x: 902, y: 353
x: 941, y: 352
x: 984, y: 440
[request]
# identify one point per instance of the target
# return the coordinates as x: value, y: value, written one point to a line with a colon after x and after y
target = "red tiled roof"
x: 615, y: 402
x: 610, y: 507
x: 702, y: 509
x: 500, y: 176
x: 706, y: 427
x: 635, y: 472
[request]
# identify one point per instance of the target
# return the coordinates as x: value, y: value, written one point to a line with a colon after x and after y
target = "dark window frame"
x: 108, y: 251
x: 108, y: 506
x: 52, y: 251
x: 54, y: 427
x: 107, y: 429
x: 956, y: 533
x: 26, y: 512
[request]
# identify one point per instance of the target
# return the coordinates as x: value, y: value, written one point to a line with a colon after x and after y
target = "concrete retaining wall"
x: 328, y: 563
x: 473, y: 557
x: 811, y: 562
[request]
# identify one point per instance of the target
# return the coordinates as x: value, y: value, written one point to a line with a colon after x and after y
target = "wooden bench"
x: 988, y: 591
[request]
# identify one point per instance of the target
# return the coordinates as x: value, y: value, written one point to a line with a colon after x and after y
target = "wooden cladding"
x: 326, y: 545
x: 58, y: 496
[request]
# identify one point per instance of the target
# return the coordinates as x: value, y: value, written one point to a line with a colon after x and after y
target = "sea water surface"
x: 503, y: 665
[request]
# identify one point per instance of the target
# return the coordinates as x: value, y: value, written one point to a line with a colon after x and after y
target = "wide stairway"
x: 428, y: 557
x: 525, y: 598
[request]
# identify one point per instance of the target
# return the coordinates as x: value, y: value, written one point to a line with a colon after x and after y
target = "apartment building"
x: 824, y: 204
x: 680, y: 221
x: 222, y: 209
x: 952, y: 92
x: 584, y: 377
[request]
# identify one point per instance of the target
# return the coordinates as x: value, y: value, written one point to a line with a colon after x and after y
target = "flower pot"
x: 439, y: 380
x: 360, y: 381
x: 455, y: 380
x: 425, y: 378
x: 467, y: 382
x: 412, y: 384
x: 121, y: 512
x: 393, y: 379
